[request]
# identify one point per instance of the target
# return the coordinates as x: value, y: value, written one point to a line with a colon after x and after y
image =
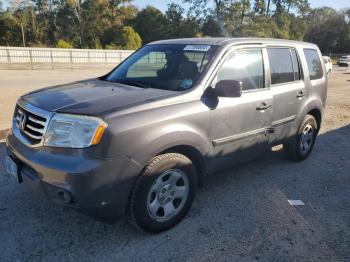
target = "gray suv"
x: 139, y: 140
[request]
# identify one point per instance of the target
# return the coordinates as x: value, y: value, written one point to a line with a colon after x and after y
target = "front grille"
x: 32, y: 126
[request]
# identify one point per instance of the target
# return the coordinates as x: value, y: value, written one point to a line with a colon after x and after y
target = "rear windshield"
x: 170, y: 67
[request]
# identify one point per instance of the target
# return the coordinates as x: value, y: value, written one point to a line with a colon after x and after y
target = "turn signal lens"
x: 98, y: 135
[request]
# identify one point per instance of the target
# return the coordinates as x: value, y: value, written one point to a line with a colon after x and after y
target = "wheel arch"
x: 316, y: 113
x: 194, y: 155
x: 192, y: 143
x: 313, y: 106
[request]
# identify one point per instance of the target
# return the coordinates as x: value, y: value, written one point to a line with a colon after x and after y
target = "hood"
x: 93, y: 97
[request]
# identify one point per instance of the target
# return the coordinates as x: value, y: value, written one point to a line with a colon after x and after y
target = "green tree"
x: 179, y: 26
x: 211, y: 27
x: 203, y: 8
x: 74, y: 7
x: 63, y: 44
x: 22, y: 15
x: 119, y: 24
x: 130, y: 40
x: 10, y: 32
x: 95, y: 20
x: 328, y: 29
x: 114, y: 6
x: 259, y: 6
x: 150, y: 24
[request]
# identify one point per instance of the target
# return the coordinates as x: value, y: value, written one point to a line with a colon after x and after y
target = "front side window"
x: 245, y: 66
x: 281, y: 65
x: 313, y: 63
x: 170, y: 67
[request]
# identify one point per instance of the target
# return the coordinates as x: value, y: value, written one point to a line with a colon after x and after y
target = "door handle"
x: 301, y: 94
x: 263, y: 106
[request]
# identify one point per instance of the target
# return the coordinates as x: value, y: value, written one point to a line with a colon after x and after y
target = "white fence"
x: 54, y: 56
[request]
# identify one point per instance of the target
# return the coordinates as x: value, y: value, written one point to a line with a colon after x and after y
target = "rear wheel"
x: 163, y: 193
x: 300, y: 147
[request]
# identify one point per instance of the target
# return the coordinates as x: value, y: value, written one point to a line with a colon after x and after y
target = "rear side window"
x: 281, y: 65
x: 313, y: 63
x: 245, y: 66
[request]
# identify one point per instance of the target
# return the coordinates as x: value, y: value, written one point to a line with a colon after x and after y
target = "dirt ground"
x: 241, y: 214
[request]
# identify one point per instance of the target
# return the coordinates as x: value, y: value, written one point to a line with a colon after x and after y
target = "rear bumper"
x: 98, y: 187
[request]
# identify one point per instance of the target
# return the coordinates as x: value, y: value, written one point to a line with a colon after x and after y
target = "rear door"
x: 288, y: 89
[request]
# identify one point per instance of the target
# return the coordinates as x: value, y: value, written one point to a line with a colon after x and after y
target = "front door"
x: 240, y: 125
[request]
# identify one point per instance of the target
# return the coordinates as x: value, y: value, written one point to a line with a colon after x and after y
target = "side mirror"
x: 228, y: 88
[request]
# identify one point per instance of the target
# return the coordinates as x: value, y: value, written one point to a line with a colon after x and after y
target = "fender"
x: 311, y: 104
x: 171, y: 136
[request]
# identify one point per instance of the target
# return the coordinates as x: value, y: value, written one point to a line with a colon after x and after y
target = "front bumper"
x: 98, y: 187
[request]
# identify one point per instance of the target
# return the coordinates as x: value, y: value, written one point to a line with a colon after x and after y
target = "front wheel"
x: 300, y: 147
x: 163, y: 193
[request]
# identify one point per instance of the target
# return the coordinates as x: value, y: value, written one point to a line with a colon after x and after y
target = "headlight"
x: 74, y: 131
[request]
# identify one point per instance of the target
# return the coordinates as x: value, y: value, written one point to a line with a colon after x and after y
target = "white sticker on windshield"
x: 197, y: 48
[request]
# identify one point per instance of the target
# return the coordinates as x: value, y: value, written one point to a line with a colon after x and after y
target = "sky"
x: 162, y: 4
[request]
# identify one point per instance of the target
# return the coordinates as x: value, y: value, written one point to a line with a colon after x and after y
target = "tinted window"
x: 246, y: 67
x: 296, y: 67
x: 313, y: 63
x: 281, y: 65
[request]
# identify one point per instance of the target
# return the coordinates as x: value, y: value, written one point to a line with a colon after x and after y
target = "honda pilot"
x: 139, y: 140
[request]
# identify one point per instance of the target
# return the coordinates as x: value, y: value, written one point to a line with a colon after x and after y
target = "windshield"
x: 169, y: 67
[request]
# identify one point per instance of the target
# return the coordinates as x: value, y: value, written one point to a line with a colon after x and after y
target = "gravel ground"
x: 240, y: 215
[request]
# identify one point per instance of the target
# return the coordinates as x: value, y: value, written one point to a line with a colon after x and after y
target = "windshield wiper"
x: 134, y: 83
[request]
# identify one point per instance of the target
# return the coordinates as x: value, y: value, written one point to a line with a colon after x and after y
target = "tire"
x: 163, y: 193
x: 301, y: 145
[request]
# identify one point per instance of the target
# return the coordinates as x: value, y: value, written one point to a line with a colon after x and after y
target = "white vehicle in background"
x: 343, y: 60
x: 328, y: 63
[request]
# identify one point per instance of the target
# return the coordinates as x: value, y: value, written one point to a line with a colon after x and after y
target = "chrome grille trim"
x: 37, y: 121
x: 36, y: 125
x: 33, y: 136
x: 41, y: 131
